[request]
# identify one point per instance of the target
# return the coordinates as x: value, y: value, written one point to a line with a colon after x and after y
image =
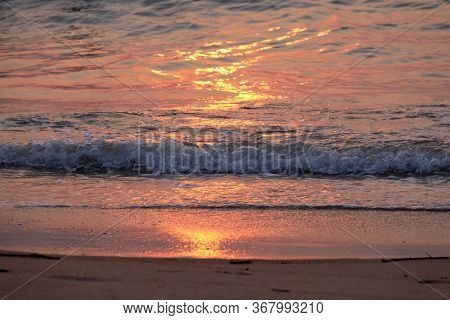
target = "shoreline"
x: 59, y: 256
x: 93, y: 277
x: 226, y: 234
x: 231, y: 254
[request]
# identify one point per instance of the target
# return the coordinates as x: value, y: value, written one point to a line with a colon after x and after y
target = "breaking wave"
x: 172, y: 157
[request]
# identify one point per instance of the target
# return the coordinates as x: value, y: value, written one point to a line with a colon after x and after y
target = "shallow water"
x: 24, y: 189
x: 225, y: 103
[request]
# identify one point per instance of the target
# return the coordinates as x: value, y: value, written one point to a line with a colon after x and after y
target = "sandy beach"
x: 225, y: 150
x: 197, y: 253
x: 146, y: 278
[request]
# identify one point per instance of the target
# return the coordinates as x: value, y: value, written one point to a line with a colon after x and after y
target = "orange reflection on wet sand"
x: 202, y: 243
x: 226, y: 233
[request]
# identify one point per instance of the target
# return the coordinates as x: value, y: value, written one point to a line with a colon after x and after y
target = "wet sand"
x: 150, y: 278
x: 223, y: 254
x: 230, y: 233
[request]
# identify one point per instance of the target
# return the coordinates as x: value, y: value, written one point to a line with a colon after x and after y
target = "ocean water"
x: 225, y: 104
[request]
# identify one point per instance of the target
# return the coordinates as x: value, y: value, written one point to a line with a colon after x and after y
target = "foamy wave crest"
x: 172, y: 157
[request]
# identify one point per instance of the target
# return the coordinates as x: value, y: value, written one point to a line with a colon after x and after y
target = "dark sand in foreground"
x: 149, y: 278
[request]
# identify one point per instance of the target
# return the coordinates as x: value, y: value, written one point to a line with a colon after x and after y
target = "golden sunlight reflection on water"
x: 210, y: 71
x: 226, y: 59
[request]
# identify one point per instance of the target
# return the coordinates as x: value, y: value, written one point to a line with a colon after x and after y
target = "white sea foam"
x: 170, y: 157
